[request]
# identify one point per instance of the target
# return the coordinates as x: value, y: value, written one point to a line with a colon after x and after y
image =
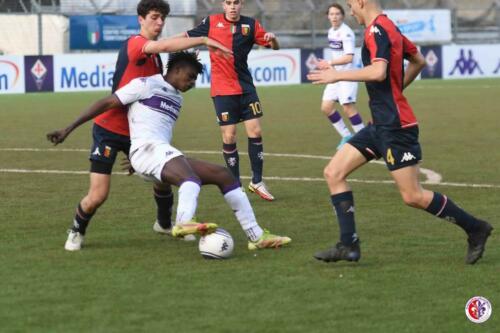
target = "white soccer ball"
x: 217, y: 245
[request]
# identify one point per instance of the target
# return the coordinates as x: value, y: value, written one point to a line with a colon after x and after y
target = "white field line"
x: 432, y: 177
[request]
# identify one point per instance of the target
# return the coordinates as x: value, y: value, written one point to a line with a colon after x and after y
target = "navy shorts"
x: 104, y: 149
x: 233, y: 109
x: 399, y: 147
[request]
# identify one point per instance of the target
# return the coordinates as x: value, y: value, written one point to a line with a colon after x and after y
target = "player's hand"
x: 58, y: 136
x: 322, y: 64
x: 269, y: 36
x: 127, y: 166
x: 218, y: 48
x: 323, y: 76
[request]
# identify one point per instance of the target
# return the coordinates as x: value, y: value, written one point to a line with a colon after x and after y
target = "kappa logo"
x: 350, y: 210
x: 408, y: 157
x: 96, y: 152
x: 375, y: 29
x: 220, y: 25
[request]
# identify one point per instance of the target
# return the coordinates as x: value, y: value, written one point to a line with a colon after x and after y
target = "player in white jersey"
x: 341, y: 41
x: 154, y: 104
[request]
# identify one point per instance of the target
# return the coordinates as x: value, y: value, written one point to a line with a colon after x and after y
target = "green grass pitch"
x: 411, y: 278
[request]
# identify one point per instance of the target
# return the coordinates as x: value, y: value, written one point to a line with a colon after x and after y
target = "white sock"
x: 358, y: 127
x: 339, y: 124
x: 188, y: 200
x: 239, y: 203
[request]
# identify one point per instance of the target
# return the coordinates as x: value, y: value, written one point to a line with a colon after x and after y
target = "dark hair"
x: 338, y: 6
x: 184, y: 58
x: 145, y: 6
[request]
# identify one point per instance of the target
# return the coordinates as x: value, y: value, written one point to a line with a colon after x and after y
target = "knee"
x: 327, y: 110
x: 413, y: 199
x: 332, y: 174
x: 94, y: 200
x: 229, y: 138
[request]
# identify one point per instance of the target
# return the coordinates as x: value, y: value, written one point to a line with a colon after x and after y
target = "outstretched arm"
x: 178, y: 43
x: 377, y: 71
x: 93, y: 111
x: 417, y: 63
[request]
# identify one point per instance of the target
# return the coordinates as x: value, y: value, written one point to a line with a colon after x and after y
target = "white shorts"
x: 343, y: 92
x: 149, y: 159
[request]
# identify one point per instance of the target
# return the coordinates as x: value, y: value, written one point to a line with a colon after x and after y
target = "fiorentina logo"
x: 39, y: 71
x: 478, y: 309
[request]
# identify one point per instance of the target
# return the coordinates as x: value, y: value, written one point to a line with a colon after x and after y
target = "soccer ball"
x: 217, y: 245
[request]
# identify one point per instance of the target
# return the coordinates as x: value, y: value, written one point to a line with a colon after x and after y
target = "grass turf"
x: 411, y: 278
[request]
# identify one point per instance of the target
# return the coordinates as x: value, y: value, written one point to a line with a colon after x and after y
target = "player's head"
x: 336, y: 14
x: 232, y: 9
x: 363, y: 10
x: 183, y: 69
x: 152, y: 14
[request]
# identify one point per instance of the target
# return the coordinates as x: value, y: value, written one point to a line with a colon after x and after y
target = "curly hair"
x: 184, y: 58
x: 145, y: 6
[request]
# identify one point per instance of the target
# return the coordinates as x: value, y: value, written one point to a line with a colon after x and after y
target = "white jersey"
x: 154, y: 109
x: 341, y: 42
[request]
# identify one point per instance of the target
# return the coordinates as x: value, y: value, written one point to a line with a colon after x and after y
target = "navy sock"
x: 232, y: 158
x: 344, y: 207
x: 256, y: 154
x: 443, y: 207
x: 81, y: 220
x: 164, y: 202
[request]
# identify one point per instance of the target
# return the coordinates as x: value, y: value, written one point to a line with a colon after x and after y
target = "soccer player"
x: 393, y: 135
x: 154, y: 105
x: 232, y: 89
x: 341, y: 40
x: 137, y: 58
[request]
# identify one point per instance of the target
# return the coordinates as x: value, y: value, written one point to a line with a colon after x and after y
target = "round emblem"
x: 478, y: 309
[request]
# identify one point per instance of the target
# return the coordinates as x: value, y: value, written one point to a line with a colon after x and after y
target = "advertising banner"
x: 423, y: 25
x: 39, y: 73
x: 308, y: 59
x: 84, y: 72
x: 11, y: 74
x: 268, y: 67
x: 471, y: 61
x: 434, y: 58
x: 103, y: 32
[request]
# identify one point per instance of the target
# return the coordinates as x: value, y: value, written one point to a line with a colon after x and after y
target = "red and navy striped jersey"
x: 384, y: 42
x: 132, y: 63
x: 230, y: 76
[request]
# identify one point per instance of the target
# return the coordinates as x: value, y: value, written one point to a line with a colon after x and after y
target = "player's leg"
x: 96, y: 196
x: 330, y: 95
x: 237, y: 200
x: 250, y: 113
x: 230, y: 150
x: 226, y: 108
x: 347, y: 97
x: 443, y: 207
x: 350, y: 157
x: 105, y: 147
x: 164, y: 199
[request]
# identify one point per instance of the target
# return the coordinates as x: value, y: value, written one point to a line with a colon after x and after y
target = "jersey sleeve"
x: 348, y: 42
x: 259, y: 35
x: 135, y: 47
x: 378, y: 44
x: 408, y: 47
x: 132, y: 91
x: 201, y: 30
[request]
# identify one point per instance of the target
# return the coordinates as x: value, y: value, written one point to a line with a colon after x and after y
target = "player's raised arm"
x: 93, y: 111
x: 179, y: 43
